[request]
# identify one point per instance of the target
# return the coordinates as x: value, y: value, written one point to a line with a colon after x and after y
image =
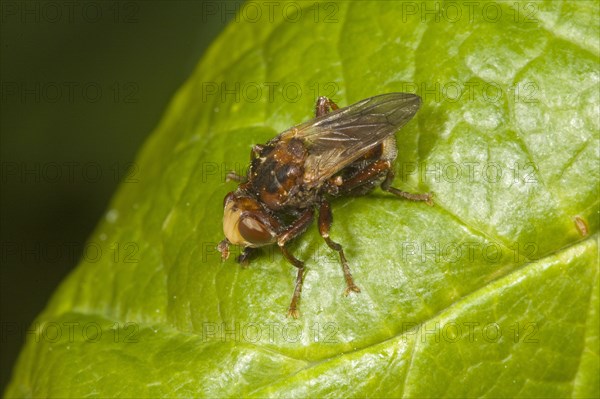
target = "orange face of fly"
x: 245, y: 222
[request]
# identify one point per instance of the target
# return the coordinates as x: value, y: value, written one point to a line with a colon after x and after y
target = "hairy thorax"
x: 276, y: 176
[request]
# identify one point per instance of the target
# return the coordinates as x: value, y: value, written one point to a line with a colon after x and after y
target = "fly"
x: 342, y: 152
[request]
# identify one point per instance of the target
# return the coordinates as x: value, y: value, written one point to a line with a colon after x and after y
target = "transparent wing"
x: 340, y: 137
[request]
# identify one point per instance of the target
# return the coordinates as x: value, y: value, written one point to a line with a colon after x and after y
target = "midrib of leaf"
x: 593, y: 301
x: 593, y: 293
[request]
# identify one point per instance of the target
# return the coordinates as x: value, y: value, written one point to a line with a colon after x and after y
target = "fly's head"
x: 246, y: 223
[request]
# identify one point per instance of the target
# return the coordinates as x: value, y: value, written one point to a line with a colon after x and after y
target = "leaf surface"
x: 493, y: 292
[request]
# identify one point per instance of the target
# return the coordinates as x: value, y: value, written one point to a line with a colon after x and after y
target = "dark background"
x: 83, y: 85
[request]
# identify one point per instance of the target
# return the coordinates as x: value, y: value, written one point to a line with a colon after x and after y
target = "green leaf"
x: 493, y: 292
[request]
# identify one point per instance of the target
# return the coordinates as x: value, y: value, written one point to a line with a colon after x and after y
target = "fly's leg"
x: 373, y: 170
x: 243, y: 257
x: 232, y: 176
x: 254, y: 153
x: 325, y: 220
x: 293, y: 309
x: 324, y: 105
x: 386, y: 186
x: 223, y: 248
x: 294, y: 230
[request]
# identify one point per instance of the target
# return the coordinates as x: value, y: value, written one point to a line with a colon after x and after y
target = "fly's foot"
x: 351, y: 288
x: 232, y: 176
x: 223, y: 248
x: 244, y: 258
x: 293, y: 312
x: 428, y: 198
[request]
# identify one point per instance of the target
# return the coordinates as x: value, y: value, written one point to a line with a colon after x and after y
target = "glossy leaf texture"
x: 492, y: 292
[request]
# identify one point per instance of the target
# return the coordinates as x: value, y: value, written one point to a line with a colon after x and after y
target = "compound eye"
x: 254, y: 231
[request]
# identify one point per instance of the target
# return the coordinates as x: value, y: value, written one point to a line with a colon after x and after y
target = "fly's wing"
x: 340, y: 137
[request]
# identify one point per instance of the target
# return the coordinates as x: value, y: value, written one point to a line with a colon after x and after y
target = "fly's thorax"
x: 247, y: 223
x: 277, y: 172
